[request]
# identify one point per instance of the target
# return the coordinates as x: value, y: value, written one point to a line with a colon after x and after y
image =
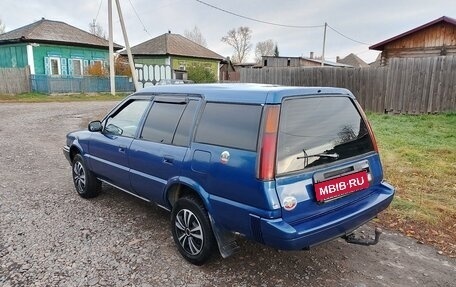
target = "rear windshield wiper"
x: 327, y: 155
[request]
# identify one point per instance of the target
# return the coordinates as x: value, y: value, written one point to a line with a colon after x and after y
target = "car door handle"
x: 168, y: 159
x: 122, y: 148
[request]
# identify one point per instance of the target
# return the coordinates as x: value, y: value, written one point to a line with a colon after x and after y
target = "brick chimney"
x: 311, y: 55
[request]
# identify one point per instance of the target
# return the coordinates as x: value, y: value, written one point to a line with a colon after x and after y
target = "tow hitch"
x: 351, y: 238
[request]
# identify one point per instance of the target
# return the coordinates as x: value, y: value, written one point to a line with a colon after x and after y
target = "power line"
x: 99, y: 8
x: 277, y: 24
x: 345, y: 36
x: 260, y: 21
x: 139, y: 18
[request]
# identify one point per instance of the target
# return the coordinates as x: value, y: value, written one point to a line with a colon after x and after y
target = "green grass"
x: 37, y: 97
x: 419, y: 159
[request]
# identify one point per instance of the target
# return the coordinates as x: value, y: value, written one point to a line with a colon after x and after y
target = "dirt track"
x: 51, y: 237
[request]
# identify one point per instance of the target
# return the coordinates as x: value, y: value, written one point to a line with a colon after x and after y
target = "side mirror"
x: 95, y: 126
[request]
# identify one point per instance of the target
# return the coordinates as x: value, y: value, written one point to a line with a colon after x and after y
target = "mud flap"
x: 226, y: 240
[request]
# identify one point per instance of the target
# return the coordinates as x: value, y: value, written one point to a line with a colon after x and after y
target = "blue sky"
x: 369, y: 22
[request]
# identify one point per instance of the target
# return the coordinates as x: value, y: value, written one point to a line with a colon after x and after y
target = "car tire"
x: 86, y: 184
x: 192, y: 230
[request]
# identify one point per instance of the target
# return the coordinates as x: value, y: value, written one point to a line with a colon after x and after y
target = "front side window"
x: 319, y: 130
x: 125, y: 122
x: 230, y: 125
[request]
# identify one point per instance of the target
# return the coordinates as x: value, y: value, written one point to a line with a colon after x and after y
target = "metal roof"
x: 380, y: 46
x: 173, y: 44
x: 54, y: 32
x: 328, y: 63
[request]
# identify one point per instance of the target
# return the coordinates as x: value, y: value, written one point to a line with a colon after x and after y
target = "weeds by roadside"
x: 37, y: 97
x: 419, y: 159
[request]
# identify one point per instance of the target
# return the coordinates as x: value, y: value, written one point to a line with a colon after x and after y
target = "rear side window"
x: 161, y: 122
x: 230, y: 125
x: 182, y: 135
x: 319, y: 130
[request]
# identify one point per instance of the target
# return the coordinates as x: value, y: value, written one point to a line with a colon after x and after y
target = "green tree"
x: 276, y: 51
x: 200, y: 74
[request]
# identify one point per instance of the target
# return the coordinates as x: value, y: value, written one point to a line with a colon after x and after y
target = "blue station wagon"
x: 288, y: 167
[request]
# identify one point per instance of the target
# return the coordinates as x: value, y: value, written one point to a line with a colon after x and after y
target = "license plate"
x: 343, y: 185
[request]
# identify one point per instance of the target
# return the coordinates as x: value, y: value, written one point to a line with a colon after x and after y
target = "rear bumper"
x: 279, y: 234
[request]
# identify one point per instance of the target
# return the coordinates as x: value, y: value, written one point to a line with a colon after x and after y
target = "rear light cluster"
x: 268, y: 143
x: 369, y: 128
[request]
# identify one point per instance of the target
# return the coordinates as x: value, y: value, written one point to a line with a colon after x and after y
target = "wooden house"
x: 53, y: 48
x: 227, y: 71
x: 436, y: 38
x: 169, y: 56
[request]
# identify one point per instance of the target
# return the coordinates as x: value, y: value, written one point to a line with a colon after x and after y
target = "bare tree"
x: 96, y: 29
x: 196, y: 36
x: 264, y: 48
x: 239, y: 39
x: 2, y: 27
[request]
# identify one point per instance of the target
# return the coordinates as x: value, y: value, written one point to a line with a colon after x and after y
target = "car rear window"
x: 230, y: 125
x: 319, y: 130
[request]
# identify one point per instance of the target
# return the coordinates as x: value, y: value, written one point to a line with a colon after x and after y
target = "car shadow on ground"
x: 253, y: 263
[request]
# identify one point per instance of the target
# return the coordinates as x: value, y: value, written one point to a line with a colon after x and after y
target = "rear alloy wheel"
x: 86, y: 184
x: 192, y: 231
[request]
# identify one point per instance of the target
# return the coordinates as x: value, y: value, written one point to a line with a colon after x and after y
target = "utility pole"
x: 324, y: 44
x: 127, y: 46
x: 112, y: 73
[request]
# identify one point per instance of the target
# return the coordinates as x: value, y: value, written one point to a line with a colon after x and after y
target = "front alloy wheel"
x: 86, y: 184
x: 79, y: 177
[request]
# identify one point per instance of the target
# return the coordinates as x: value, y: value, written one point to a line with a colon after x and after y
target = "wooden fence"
x: 413, y: 85
x: 19, y: 80
x: 14, y: 80
x: 87, y: 84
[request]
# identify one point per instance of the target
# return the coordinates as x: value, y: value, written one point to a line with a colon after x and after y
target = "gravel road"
x: 49, y: 236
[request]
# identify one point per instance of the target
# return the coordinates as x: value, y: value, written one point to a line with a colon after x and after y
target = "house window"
x: 288, y: 62
x: 55, y: 66
x: 98, y: 62
x: 96, y: 68
x: 179, y: 75
x: 77, y: 67
x: 265, y: 63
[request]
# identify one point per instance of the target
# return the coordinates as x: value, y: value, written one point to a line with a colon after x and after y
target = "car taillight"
x: 268, y: 144
x: 369, y: 128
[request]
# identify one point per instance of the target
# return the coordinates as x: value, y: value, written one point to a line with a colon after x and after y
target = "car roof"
x: 242, y: 93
